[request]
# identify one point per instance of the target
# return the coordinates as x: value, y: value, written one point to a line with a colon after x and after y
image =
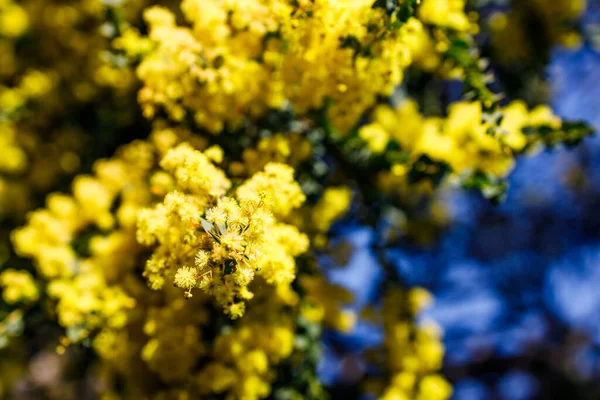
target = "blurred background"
x: 516, y: 286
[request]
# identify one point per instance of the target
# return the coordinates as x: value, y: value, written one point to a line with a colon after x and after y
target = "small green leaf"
x: 208, y: 226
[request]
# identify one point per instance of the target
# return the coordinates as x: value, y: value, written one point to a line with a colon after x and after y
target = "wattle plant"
x: 172, y: 173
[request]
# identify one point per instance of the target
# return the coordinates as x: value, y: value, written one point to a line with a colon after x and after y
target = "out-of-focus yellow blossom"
x: 323, y: 303
x: 12, y: 157
x: 446, y: 13
x: 32, y: 86
x: 412, y: 354
x: 375, y: 136
x: 52, y: 68
x: 132, y: 43
x: 13, y: 19
x: 245, y: 357
x: 316, y: 219
x: 174, y: 343
x: 18, y: 287
x: 333, y: 204
x: 291, y: 149
x: 31, y: 164
x: 434, y: 387
x: 461, y: 139
x: 86, y: 302
x: 83, y: 284
x: 235, y: 60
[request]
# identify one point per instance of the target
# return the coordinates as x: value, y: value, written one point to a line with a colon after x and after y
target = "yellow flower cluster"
x: 174, y: 339
x: 323, y: 302
x: 82, y: 270
x: 333, y: 204
x: 444, y: 13
x: 13, y: 19
x: 50, y: 67
x: 226, y: 238
x: 316, y: 219
x: 18, y: 287
x: 32, y: 85
x: 277, y: 183
x: 412, y: 354
x: 23, y: 163
x: 238, y: 59
x: 461, y: 139
x: 246, y: 357
x: 87, y: 302
x: 216, y: 242
x: 291, y: 149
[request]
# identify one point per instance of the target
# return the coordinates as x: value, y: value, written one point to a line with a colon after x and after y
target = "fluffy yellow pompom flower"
x: 195, y: 172
x: 233, y: 61
x: 13, y: 20
x: 333, y: 204
x: 18, y: 287
x: 277, y: 183
x: 185, y: 278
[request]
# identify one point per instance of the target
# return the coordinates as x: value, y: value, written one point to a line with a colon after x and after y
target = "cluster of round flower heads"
x: 215, y: 239
x: 51, y: 70
x: 82, y: 271
x: 412, y: 354
x: 461, y: 139
x: 236, y: 60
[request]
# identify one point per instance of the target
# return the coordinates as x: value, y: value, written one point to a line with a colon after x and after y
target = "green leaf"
x: 491, y: 187
x: 208, y: 226
x: 569, y: 134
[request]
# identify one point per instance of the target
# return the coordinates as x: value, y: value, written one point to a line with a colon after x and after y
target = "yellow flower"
x: 375, y: 136
x: 185, y: 278
x: 18, y: 287
x: 434, y: 387
x: 13, y: 20
x: 449, y: 13
x: 332, y: 205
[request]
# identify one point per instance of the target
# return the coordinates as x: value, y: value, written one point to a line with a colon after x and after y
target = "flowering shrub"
x: 186, y: 262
